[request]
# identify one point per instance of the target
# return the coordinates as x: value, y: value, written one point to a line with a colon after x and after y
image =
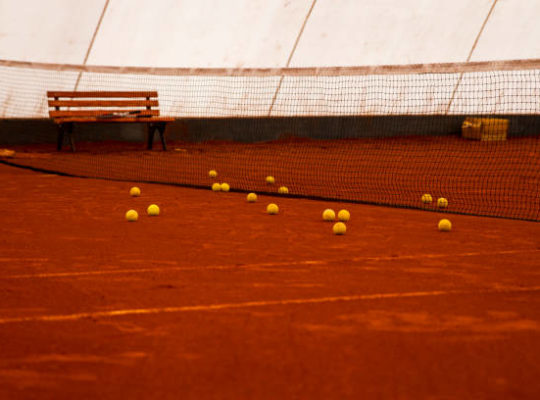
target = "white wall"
x: 513, y: 32
x: 365, y: 32
x: 261, y: 33
x: 55, y: 31
x: 202, y: 33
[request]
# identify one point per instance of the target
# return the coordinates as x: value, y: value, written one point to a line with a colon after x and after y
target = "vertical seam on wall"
x: 291, y: 54
x: 91, y: 45
x: 473, y: 48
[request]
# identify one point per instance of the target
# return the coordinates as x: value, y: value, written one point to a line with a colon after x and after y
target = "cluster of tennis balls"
x: 444, y: 225
x: 343, y: 216
x: 132, y: 215
x: 272, y: 208
x: 225, y: 187
x: 441, y: 201
x: 339, y: 228
x: 218, y: 187
x: 282, y: 189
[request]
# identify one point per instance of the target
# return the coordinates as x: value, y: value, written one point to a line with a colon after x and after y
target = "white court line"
x: 247, y: 266
x: 438, y: 255
x: 252, y: 304
x: 10, y: 259
x: 159, y: 269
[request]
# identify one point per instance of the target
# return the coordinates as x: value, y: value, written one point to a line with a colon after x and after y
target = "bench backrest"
x: 102, y: 104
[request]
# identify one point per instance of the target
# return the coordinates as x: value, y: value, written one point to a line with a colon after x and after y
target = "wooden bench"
x: 68, y: 108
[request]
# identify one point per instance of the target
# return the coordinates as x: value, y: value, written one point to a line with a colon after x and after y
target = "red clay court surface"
x: 216, y: 299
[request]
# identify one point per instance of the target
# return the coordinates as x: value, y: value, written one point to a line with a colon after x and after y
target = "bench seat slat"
x: 98, y: 94
x: 103, y: 103
x: 95, y: 113
x: 106, y: 120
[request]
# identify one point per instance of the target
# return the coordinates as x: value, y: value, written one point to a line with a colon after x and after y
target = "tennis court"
x: 215, y: 298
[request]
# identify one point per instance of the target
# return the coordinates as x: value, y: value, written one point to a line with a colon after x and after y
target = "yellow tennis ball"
x: 339, y: 228
x: 272, y: 209
x: 442, y: 202
x: 212, y: 173
x: 216, y: 187
x: 153, y: 210
x: 426, y: 198
x: 344, y: 215
x: 251, y: 198
x: 132, y: 216
x: 270, y: 180
x: 135, y: 191
x: 283, y: 190
x: 225, y: 187
x: 329, y: 215
x: 445, y: 225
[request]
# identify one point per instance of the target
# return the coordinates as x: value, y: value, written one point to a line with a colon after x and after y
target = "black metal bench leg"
x: 150, y: 136
x: 71, y: 137
x: 162, y: 136
x: 60, y: 139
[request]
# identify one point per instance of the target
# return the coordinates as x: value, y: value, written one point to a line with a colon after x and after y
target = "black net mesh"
x: 382, y: 135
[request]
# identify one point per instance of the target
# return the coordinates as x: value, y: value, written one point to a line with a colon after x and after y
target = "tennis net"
x: 382, y: 135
